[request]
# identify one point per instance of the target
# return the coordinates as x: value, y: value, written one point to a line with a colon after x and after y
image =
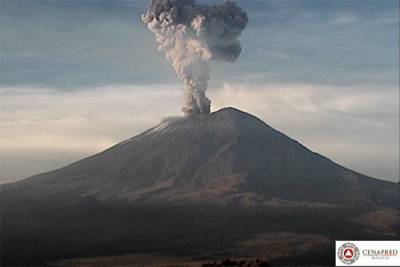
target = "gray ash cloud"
x: 192, y: 34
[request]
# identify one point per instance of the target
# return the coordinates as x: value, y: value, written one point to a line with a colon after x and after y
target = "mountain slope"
x: 226, y: 157
x: 223, y: 184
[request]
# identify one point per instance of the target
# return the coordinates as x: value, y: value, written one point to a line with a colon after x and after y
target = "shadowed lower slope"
x: 224, y: 157
x: 207, y: 186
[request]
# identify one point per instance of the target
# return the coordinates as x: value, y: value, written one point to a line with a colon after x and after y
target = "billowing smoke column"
x: 191, y: 34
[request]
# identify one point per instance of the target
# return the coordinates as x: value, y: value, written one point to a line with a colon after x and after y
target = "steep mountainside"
x: 226, y: 157
x: 209, y: 186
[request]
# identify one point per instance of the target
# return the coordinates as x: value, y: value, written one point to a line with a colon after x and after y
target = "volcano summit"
x: 223, y: 157
x: 193, y: 177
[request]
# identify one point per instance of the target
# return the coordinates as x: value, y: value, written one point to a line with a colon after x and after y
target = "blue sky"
x: 89, y: 43
x: 326, y: 72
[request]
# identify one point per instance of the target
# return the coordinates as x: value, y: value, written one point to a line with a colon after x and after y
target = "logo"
x: 367, y: 253
x: 348, y: 253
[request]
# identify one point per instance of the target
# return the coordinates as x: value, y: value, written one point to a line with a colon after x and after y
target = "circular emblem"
x: 348, y: 253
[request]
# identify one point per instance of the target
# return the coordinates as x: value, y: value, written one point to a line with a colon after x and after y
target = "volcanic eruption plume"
x: 191, y: 34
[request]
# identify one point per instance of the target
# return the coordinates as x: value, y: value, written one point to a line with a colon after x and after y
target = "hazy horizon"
x: 86, y: 75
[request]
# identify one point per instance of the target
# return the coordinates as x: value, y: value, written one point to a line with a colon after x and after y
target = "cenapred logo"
x: 348, y: 253
x: 368, y: 253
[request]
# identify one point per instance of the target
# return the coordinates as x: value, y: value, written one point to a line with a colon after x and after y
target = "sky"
x: 80, y: 76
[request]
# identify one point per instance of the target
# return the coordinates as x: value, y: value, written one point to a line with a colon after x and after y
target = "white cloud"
x: 43, y: 129
x: 88, y: 120
x: 356, y: 127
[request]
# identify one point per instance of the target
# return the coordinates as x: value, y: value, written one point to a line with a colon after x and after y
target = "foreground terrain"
x: 197, y: 189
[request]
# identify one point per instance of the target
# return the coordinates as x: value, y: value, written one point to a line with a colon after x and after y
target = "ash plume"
x: 191, y: 34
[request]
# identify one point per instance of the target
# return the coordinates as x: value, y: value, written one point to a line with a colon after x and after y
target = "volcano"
x: 225, y: 157
x: 228, y: 160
